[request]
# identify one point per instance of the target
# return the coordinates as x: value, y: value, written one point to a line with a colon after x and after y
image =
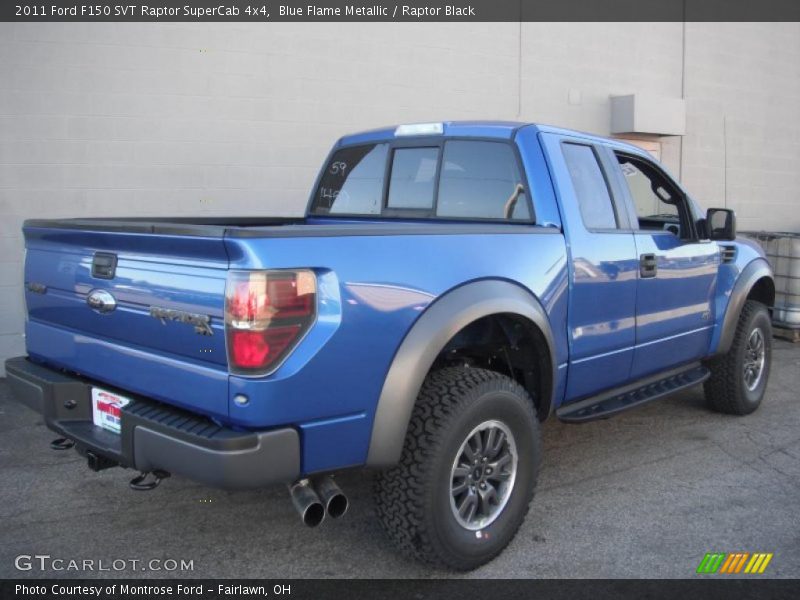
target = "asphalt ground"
x: 643, y: 495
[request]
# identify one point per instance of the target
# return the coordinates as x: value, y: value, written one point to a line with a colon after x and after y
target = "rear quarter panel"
x: 372, y: 290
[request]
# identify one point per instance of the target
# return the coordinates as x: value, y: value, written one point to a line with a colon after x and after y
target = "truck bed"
x: 266, y: 227
x: 182, y: 265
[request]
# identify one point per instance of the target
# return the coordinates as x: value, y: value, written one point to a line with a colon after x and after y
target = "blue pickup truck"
x: 451, y: 286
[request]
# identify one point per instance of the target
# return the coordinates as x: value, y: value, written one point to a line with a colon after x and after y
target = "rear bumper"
x: 155, y: 435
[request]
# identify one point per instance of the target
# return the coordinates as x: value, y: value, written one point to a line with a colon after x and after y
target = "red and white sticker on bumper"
x: 106, y: 409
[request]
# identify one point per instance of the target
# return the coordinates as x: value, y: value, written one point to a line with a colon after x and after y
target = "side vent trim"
x: 727, y: 253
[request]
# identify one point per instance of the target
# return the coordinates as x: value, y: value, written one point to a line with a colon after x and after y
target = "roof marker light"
x: 420, y: 129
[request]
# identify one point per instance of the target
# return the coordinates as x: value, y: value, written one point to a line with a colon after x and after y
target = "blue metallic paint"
x: 378, y: 306
x: 372, y: 289
x: 187, y: 277
x: 189, y: 384
x: 674, y: 309
x: 746, y: 254
x: 602, y: 295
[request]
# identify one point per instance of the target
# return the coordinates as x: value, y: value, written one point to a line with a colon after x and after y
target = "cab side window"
x: 659, y: 203
x: 591, y: 188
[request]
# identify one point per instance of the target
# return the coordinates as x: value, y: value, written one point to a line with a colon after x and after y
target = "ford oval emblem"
x: 101, y: 301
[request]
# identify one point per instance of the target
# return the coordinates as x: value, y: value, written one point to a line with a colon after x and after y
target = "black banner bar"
x: 705, y: 588
x: 263, y: 11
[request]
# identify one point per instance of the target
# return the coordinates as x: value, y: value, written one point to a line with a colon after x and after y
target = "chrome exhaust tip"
x: 307, y: 503
x: 333, y: 498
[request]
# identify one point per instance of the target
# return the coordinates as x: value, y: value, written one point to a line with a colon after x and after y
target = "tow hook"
x: 61, y: 444
x: 139, y: 484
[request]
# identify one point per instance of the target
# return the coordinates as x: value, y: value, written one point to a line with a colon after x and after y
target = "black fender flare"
x: 450, y: 313
x: 754, y: 271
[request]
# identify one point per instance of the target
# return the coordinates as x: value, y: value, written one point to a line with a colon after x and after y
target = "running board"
x: 615, y: 401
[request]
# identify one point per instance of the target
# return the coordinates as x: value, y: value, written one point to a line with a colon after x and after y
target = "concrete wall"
x: 189, y: 119
x: 742, y: 148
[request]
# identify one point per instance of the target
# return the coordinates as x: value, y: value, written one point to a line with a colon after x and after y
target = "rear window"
x: 479, y: 180
x: 475, y: 180
x: 353, y: 182
x: 413, y: 180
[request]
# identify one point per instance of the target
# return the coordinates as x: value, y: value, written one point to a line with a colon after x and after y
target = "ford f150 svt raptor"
x: 451, y: 286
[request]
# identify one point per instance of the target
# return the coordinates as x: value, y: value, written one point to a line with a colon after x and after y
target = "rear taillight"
x: 266, y: 315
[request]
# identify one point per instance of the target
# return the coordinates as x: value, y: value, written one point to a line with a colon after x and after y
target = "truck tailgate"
x: 165, y: 288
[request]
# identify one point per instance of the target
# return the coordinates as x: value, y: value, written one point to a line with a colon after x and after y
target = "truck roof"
x: 485, y: 129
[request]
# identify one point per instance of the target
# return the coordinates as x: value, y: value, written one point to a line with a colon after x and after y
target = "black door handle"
x: 648, y: 266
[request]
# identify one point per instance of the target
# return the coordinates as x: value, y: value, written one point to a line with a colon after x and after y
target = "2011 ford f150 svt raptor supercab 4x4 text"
x: 451, y: 286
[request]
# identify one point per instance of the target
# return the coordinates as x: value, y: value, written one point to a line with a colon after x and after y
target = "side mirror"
x: 721, y: 224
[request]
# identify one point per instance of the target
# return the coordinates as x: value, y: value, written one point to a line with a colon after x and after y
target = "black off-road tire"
x: 726, y: 390
x: 413, y: 499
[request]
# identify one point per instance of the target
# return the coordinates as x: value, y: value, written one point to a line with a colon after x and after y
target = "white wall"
x: 189, y: 119
x: 743, y: 121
